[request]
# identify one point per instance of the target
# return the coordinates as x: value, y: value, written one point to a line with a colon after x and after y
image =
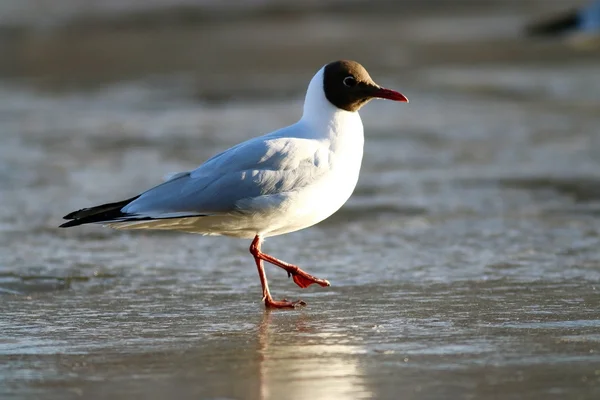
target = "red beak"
x: 389, y: 94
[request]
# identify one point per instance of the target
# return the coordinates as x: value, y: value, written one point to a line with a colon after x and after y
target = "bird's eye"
x: 349, y: 81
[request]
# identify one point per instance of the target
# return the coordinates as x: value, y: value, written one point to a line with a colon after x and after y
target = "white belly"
x: 309, y: 206
x: 312, y: 204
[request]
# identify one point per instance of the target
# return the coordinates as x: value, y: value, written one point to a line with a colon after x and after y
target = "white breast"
x: 341, y: 135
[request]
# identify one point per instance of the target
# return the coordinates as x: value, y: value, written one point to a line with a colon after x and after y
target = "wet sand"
x: 466, y: 265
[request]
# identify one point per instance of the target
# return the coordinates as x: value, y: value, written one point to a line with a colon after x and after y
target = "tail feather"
x: 103, y: 213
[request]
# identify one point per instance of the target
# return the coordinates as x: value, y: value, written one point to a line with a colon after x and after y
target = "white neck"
x: 320, y: 114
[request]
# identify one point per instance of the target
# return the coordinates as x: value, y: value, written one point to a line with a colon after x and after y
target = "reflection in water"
x: 304, y: 364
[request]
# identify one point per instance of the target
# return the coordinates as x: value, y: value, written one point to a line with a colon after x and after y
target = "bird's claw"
x: 305, y: 281
x: 270, y: 303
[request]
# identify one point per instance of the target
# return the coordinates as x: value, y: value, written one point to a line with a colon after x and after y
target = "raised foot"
x: 304, y: 280
x: 270, y: 303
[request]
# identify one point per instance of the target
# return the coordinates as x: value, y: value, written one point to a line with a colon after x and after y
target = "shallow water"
x: 466, y: 264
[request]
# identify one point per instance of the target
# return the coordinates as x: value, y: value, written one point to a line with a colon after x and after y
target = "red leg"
x: 269, y: 302
x: 301, y: 278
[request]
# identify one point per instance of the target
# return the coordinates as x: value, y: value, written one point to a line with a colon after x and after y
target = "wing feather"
x: 265, y: 166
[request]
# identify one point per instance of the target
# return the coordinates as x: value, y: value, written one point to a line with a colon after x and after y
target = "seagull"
x: 585, y: 20
x: 284, y: 181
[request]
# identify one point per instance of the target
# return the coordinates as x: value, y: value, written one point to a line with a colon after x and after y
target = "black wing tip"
x: 73, y: 219
x: 103, y: 213
x: 70, y: 224
x: 72, y: 215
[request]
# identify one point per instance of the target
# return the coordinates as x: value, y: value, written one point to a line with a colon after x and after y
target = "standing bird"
x: 281, y: 182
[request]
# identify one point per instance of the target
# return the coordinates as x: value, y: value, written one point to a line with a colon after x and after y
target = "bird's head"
x: 348, y: 86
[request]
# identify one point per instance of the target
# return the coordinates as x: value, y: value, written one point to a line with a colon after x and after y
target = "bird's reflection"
x: 299, y: 361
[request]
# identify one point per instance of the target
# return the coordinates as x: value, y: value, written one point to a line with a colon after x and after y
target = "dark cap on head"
x: 348, y: 86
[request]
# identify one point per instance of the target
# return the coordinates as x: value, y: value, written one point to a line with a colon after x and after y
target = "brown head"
x: 348, y: 86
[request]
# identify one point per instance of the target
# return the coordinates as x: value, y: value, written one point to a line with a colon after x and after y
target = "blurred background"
x: 466, y: 265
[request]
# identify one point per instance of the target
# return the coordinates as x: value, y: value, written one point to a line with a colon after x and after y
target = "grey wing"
x: 260, y: 169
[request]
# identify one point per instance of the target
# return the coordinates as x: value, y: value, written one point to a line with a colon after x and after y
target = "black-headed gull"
x: 585, y: 20
x: 278, y: 183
